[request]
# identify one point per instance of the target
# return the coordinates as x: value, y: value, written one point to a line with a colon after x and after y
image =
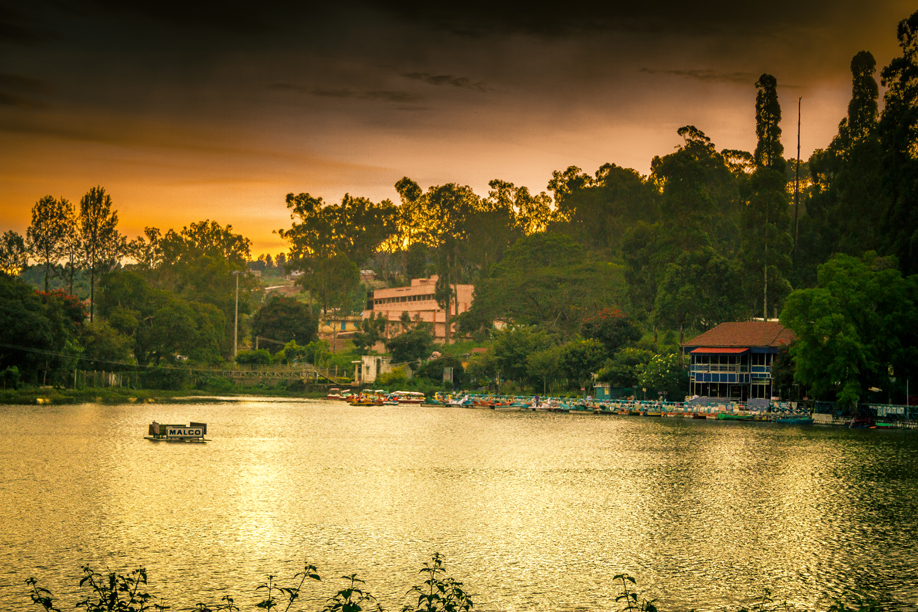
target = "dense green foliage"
x: 710, y: 235
x: 858, y: 328
x: 281, y: 320
x: 411, y: 345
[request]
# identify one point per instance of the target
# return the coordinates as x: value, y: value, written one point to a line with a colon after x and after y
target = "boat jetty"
x: 162, y: 432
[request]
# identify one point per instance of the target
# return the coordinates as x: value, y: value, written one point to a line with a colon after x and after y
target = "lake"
x: 531, y: 511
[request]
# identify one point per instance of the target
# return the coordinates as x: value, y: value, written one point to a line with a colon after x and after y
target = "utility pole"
x: 237, y: 274
x: 797, y: 184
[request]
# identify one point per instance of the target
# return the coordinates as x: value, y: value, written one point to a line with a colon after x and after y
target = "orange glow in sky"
x: 218, y: 110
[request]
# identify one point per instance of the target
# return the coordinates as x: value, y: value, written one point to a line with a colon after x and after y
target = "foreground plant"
x: 271, y: 602
x: 111, y: 593
x: 440, y: 593
x: 127, y: 593
x: 352, y: 598
x: 630, y: 596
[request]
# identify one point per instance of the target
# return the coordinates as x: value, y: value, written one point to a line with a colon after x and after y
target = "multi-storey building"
x: 734, y: 360
x: 418, y: 301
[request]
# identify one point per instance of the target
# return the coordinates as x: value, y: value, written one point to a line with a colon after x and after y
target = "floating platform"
x: 162, y: 432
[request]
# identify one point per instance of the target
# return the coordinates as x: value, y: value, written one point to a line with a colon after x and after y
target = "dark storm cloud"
x: 13, y: 28
x: 20, y: 91
x: 237, y: 17
x: 708, y: 76
x: 553, y: 19
x: 447, y: 79
x: 400, y: 97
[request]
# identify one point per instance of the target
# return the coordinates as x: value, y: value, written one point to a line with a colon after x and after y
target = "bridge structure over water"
x: 305, y: 372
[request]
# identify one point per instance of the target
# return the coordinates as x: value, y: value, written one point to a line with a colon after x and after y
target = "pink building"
x: 418, y: 301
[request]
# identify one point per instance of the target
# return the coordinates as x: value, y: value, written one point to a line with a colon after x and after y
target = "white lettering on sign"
x: 185, y: 432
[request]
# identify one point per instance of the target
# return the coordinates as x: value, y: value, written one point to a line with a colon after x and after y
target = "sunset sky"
x: 185, y: 111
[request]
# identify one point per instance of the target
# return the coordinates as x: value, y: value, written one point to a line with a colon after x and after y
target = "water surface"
x: 532, y: 511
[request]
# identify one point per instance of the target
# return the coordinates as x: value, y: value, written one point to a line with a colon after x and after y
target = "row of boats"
x: 378, y: 397
x: 588, y: 406
x: 629, y: 407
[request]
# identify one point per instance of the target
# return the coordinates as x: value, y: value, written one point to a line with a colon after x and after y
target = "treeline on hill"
x: 605, y: 275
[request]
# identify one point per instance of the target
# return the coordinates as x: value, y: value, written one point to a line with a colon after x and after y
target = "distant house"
x: 336, y: 328
x: 734, y: 360
x: 368, y: 369
x: 418, y: 301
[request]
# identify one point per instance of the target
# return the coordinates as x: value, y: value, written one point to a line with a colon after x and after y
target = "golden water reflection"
x: 531, y: 511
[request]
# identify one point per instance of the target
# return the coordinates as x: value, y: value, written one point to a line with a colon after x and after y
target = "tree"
x: 331, y: 281
x: 259, y: 357
x: 48, y: 232
x: 199, y: 265
x: 355, y: 228
x: 412, y: 345
x: 372, y: 330
x: 581, y: 358
x: 613, y: 328
x: 548, y: 280
x: 511, y: 349
x: 645, y: 260
x: 699, y: 290
x: 855, y: 327
x: 13, y: 254
x: 129, y: 305
x: 72, y: 248
x: 766, y: 242
x: 847, y: 199
x: 626, y: 367
x: 665, y: 374
x: 433, y: 370
x: 563, y: 184
x: 186, y: 329
x: 103, y: 347
x: 769, y: 152
x: 161, y: 325
x: 898, y: 132
x: 545, y: 367
x: 445, y: 211
x: 38, y: 331
x: 146, y: 250
x: 101, y: 243
x: 599, y: 211
x: 532, y: 214
x: 700, y: 200
x: 284, y: 319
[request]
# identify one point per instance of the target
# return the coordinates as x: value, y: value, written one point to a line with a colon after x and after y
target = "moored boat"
x: 408, y: 397
x: 734, y: 416
x: 795, y: 420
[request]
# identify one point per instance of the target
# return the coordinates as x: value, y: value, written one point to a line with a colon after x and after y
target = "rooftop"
x: 745, y: 334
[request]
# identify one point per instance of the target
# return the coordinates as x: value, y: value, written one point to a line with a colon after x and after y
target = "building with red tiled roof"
x: 733, y: 360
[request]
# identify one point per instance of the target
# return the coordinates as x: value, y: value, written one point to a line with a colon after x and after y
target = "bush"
x: 220, y: 385
x: 169, y: 379
x: 394, y: 378
x: 259, y: 357
x: 10, y: 377
x: 433, y: 370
